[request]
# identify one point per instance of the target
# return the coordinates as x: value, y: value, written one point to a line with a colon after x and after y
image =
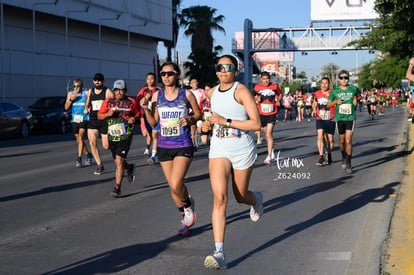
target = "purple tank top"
x: 172, y: 135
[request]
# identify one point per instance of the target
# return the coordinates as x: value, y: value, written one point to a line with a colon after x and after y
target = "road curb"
x: 400, y: 250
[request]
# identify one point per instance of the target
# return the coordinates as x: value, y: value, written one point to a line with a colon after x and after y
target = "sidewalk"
x: 399, y: 254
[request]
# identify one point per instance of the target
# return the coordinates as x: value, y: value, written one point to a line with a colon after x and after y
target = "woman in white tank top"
x: 232, y: 151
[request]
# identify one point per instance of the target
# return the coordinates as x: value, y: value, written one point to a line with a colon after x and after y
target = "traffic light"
x: 294, y: 72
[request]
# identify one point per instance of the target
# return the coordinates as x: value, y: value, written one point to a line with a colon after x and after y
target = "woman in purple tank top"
x: 175, y: 148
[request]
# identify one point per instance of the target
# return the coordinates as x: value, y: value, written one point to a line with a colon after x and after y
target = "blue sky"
x: 270, y: 14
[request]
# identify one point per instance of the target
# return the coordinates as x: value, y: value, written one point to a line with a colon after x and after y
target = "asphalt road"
x: 58, y: 219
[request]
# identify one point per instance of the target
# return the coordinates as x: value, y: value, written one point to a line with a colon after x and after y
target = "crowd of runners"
x: 175, y: 121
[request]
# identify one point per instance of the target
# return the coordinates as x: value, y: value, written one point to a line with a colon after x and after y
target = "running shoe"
x: 309, y: 120
x: 348, y: 167
x: 268, y: 160
x: 99, y: 170
x: 183, y: 230
x: 344, y: 163
x: 88, y: 161
x: 321, y: 161
x: 116, y: 192
x: 217, y: 260
x: 259, y: 141
x: 329, y: 159
x: 189, y: 214
x: 256, y: 211
x: 151, y: 161
x: 146, y: 152
x: 79, y: 163
x: 131, y: 173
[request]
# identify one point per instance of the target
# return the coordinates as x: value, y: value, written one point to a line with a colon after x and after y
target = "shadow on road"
x: 346, y: 206
x: 54, y: 189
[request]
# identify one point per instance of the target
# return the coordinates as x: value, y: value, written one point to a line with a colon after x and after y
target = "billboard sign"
x: 341, y: 10
x: 265, y: 41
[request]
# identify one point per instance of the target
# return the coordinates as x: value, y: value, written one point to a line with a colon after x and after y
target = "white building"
x: 45, y: 44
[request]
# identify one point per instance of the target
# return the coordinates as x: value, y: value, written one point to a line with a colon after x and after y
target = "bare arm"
x: 88, y: 101
x: 69, y: 99
x: 410, y: 74
x: 244, y: 97
x: 152, y: 115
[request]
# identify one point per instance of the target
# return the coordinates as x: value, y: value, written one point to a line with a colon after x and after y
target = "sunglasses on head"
x: 168, y: 73
x: 76, y: 86
x: 226, y: 67
x: 344, y: 77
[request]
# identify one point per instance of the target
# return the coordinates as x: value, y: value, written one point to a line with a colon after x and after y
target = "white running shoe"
x: 146, y: 152
x: 189, y: 214
x: 183, y: 230
x: 268, y: 160
x: 257, y: 212
x: 216, y: 261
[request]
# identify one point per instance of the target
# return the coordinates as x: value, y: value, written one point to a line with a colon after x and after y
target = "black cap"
x: 99, y: 76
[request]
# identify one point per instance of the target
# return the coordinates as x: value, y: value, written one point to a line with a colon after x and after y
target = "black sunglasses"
x: 168, y: 73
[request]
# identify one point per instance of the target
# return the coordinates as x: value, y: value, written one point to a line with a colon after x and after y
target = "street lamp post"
x: 100, y: 37
x: 67, y: 38
x: 34, y: 39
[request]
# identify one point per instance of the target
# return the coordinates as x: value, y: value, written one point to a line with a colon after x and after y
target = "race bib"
x: 286, y: 102
x: 77, y: 118
x: 267, y: 108
x: 170, y: 127
x: 394, y: 98
x: 117, y: 129
x: 96, y: 105
x: 325, y: 115
x: 300, y: 103
x: 223, y: 132
x: 345, y: 109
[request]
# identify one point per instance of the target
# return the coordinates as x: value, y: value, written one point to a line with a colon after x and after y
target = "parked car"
x: 49, y: 114
x: 14, y: 119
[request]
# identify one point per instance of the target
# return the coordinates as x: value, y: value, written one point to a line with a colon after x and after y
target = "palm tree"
x: 199, y: 22
x: 176, y: 27
x: 330, y: 70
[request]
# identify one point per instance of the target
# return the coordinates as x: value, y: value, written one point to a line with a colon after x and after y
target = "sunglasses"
x: 344, y: 77
x: 76, y: 86
x: 168, y: 73
x: 226, y: 67
x: 100, y: 80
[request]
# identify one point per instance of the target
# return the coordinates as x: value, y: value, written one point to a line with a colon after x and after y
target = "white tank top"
x: 224, y: 103
x: 227, y: 139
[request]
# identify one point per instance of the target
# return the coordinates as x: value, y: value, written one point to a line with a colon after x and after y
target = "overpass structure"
x: 304, y: 40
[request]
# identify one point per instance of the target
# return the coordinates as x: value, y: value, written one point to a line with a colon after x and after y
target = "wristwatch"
x: 228, y: 122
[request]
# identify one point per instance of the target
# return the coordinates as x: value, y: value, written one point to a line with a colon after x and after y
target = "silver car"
x: 14, y: 119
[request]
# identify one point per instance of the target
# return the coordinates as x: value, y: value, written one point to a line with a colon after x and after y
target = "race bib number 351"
x: 221, y: 132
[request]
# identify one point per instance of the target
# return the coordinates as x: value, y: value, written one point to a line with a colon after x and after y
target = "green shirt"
x: 346, y: 110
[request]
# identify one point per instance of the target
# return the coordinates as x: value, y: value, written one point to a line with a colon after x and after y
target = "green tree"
x: 199, y: 22
x: 393, y: 32
x: 301, y: 74
x: 330, y: 70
